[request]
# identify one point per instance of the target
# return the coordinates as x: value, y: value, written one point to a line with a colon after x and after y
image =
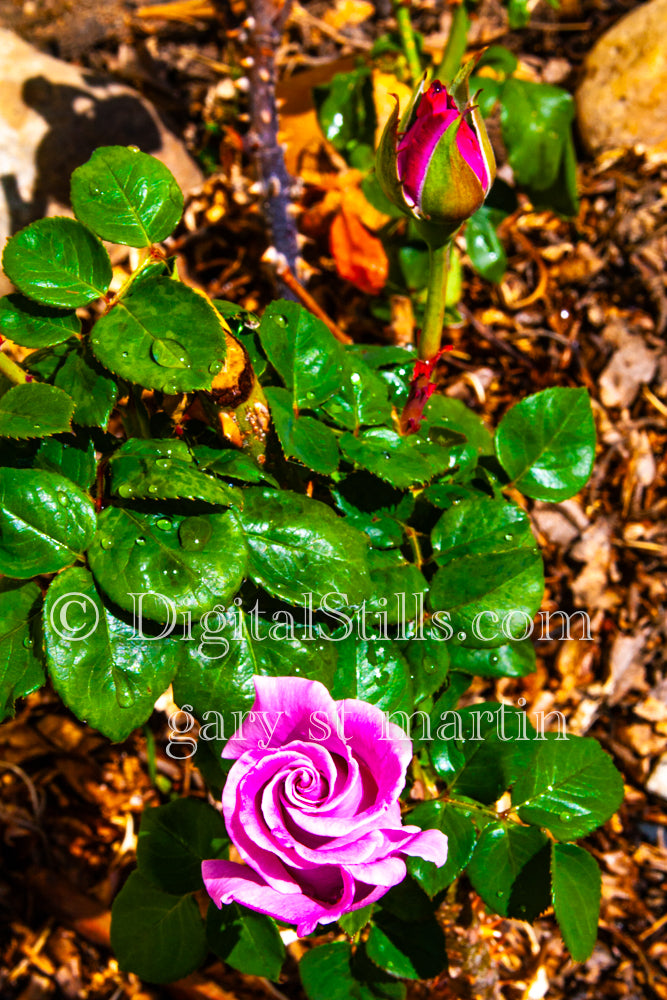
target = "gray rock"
x: 622, y: 99
x: 52, y: 116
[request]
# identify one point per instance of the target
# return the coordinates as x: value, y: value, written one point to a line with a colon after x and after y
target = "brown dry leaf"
x: 185, y: 11
x: 348, y: 13
x: 359, y: 256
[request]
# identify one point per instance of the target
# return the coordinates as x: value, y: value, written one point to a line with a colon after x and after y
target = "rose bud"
x: 437, y: 164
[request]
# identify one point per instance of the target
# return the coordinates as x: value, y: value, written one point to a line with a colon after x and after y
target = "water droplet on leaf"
x: 355, y: 377
x: 140, y: 540
x: 170, y: 354
x: 106, y: 541
x: 162, y: 463
x: 280, y: 320
x: 152, y: 489
x: 27, y: 642
x: 63, y: 499
x: 214, y: 367
x: 125, y: 490
x: 194, y: 533
x: 163, y: 523
x: 124, y: 692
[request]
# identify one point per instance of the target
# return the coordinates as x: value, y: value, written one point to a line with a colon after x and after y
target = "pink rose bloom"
x: 311, y: 805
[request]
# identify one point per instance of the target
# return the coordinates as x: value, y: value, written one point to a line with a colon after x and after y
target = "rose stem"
x: 456, y: 45
x: 431, y: 335
x: 11, y: 370
x: 402, y: 11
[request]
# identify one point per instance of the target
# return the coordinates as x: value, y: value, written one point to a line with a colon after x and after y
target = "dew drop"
x: 94, y: 191
x: 355, y: 377
x: 565, y: 817
x: 507, y: 536
x: 170, y: 354
x: 125, y: 490
x: 429, y: 667
x: 63, y: 499
x: 134, y: 149
x: 106, y: 542
x: 194, y: 533
x: 280, y: 320
x: 550, y: 788
x: 27, y: 643
x: 163, y: 523
x: 170, y: 389
x: 152, y: 489
x: 494, y: 659
x: 386, y: 455
x: 140, y: 540
x: 124, y: 692
x: 214, y: 367
x: 251, y: 322
x: 125, y: 354
x: 162, y: 463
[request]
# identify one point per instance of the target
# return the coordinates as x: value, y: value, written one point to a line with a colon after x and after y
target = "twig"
x: 304, y: 297
x: 265, y: 25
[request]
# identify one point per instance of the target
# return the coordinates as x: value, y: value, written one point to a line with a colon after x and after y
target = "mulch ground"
x: 583, y: 303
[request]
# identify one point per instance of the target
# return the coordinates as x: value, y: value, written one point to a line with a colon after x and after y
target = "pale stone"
x: 52, y: 116
x: 622, y: 100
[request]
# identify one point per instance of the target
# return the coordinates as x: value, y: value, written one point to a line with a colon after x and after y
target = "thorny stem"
x: 11, y: 370
x: 431, y: 335
x: 456, y: 45
x: 268, y: 17
x: 402, y: 11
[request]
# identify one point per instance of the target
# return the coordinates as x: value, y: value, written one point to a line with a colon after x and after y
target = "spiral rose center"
x: 305, y: 785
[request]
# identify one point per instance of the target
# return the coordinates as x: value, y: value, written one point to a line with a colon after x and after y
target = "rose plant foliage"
x: 242, y: 483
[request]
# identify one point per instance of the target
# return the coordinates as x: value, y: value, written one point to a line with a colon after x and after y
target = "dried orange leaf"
x: 359, y: 256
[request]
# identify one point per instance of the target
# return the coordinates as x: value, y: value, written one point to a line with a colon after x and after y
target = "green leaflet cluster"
x: 391, y: 569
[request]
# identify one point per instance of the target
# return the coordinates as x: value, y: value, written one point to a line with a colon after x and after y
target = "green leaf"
x: 346, y: 110
x: 298, y: 546
x: 58, y: 262
x: 510, y: 870
x: 103, y: 672
x: 231, y: 464
x: 429, y: 661
x: 401, y: 461
x: 71, y: 367
x: 248, y: 941
x: 178, y: 563
x: 398, y: 588
x: 173, y: 841
x: 162, y: 335
x: 485, y: 250
x: 482, y: 749
x: 384, y: 525
x: 546, y: 443
x: 461, y: 838
x: 536, y: 121
x: 216, y: 678
x: 491, y: 574
x: 475, y: 528
x: 356, y: 920
x: 519, y: 13
x: 46, y: 522
x: 33, y: 409
x: 158, y: 936
x: 21, y: 668
x: 571, y: 787
x: 303, y: 438
x: 303, y: 352
x: 362, y: 398
x: 70, y: 455
x: 126, y: 196
x: 576, y: 887
x: 26, y: 323
x: 332, y: 972
x: 515, y: 659
x: 163, y: 470
x: 455, y: 416
x: 408, y: 950
x: 375, y: 671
